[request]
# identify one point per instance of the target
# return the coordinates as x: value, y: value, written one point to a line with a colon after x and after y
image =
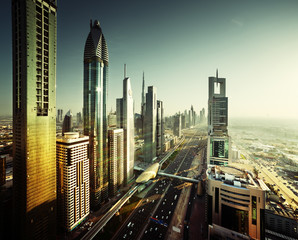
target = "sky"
x: 178, y: 44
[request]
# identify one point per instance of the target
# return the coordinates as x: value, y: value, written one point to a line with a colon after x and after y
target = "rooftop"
x: 237, y: 177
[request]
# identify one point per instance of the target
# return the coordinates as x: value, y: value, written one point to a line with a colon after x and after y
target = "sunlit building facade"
x: 125, y: 120
x: 116, y: 160
x: 159, y: 128
x: 72, y: 179
x: 96, y: 60
x: 34, y: 118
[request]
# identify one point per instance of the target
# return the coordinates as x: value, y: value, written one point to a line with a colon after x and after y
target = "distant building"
x: 67, y: 123
x: 60, y: 116
x: 236, y: 201
x: 34, y: 41
x: 96, y: 61
x: 72, y: 179
x: 150, y: 125
x: 125, y: 120
x: 183, y: 121
x: 79, y: 119
x: 143, y: 106
x: 112, y: 120
x: 2, y: 170
x: 177, y: 125
x: 159, y: 128
x: 116, y: 160
x: 218, y: 147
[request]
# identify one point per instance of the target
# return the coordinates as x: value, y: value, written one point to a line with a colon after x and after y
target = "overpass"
x: 153, y: 170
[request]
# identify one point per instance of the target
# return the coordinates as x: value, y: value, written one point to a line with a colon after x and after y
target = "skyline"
x: 256, y: 54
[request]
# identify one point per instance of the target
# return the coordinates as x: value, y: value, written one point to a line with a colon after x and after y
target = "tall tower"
x: 96, y: 61
x: 67, y: 123
x: 143, y: 105
x: 34, y: 25
x: 159, y: 128
x: 72, y: 179
x: 125, y: 120
x: 218, y: 139
x: 150, y: 125
x: 115, y: 152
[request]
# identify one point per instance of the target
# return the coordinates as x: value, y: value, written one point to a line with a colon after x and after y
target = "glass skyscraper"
x: 96, y: 60
x: 34, y: 118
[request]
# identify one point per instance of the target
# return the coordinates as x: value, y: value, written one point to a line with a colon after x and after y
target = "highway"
x: 153, y: 216
x: 103, y: 221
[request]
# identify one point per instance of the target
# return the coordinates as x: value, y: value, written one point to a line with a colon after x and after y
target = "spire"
x: 124, y: 70
x: 216, y: 73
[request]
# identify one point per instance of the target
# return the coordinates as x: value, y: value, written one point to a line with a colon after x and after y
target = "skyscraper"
x: 96, y: 61
x: 218, y: 139
x: 116, y: 163
x: 143, y: 105
x: 125, y: 120
x: 60, y: 116
x: 67, y: 123
x: 72, y: 179
x: 159, y: 128
x: 150, y: 124
x: 34, y: 118
x: 177, y: 125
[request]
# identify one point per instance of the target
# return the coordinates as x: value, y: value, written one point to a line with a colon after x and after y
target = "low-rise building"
x: 236, y: 200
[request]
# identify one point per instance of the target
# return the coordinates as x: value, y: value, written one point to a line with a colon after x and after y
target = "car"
x: 125, y: 235
x: 130, y: 232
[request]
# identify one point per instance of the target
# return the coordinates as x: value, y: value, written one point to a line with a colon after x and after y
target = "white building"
x: 116, y: 163
x: 72, y: 179
x: 125, y: 120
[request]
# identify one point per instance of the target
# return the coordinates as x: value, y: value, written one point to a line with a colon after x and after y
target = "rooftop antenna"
x: 216, y: 74
x: 90, y: 24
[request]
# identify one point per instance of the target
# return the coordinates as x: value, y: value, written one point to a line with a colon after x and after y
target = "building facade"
x: 2, y: 170
x: 159, y: 128
x: 150, y: 125
x: 177, y: 125
x: 67, y: 123
x: 116, y: 160
x: 218, y: 147
x: 236, y: 200
x: 125, y: 120
x: 34, y: 118
x: 96, y: 61
x: 73, y: 192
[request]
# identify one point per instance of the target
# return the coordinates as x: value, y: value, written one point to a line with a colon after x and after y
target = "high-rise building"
x: 116, y: 161
x: 96, y: 61
x: 72, y: 179
x: 125, y: 120
x: 177, y: 125
x: 34, y: 118
x: 60, y: 116
x: 159, y: 128
x: 143, y: 105
x: 183, y: 121
x: 112, y: 119
x: 79, y: 119
x: 218, y: 147
x: 67, y: 123
x: 2, y: 170
x: 150, y: 125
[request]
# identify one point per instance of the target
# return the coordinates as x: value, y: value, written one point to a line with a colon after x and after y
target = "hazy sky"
x: 179, y: 44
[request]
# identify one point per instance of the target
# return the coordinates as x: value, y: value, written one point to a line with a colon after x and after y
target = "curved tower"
x: 96, y: 59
